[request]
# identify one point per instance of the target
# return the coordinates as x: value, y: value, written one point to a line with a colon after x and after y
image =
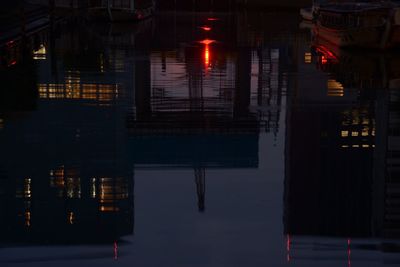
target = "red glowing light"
x: 207, y: 56
x: 324, y: 60
x: 327, y: 55
x: 206, y: 28
x: 12, y: 63
x: 115, y: 250
x: 207, y: 42
x: 207, y: 52
x: 349, y: 252
x: 212, y: 19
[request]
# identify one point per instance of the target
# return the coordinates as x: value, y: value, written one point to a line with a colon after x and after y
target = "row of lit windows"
x: 364, y: 132
x: 358, y: 146
x: 357, y: 117
x: 100, y: 92
x: 106, y: 189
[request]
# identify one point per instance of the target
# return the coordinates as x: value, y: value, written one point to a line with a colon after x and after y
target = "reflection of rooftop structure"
x: 356, y: 69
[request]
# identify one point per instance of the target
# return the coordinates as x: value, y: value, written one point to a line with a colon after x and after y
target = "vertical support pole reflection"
x: 243, y: 82
x: 142, y: 86
x: 53, y: 62
x: 200, y: 179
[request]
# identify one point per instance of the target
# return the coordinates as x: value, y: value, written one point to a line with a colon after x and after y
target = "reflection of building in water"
x: 329, y: 157
x: 387, y: 183
x: 186, y: 103
x: 69, y: 206
x: 197, y: 73
x: 66, y: 177
x: 88, y: 194
x: 203, y: 96
x: 341, y: 176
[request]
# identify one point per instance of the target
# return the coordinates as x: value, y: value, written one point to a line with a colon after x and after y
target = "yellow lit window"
x: 40, y: 53
x: 335, y: 88
x: 307, y: 58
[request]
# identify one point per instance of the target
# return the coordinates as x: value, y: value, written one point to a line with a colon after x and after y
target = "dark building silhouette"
x: 339, y: 175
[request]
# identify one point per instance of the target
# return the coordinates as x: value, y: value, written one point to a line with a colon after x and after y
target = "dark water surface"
x: 197, y: 139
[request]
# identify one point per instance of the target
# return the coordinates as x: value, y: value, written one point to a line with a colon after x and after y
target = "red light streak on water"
x: 207, y: 52
x: 206, y: 28
x: 115, y: 250
x: 207, y: 56
x: 349, y: 252
x: 207, y: 42
x: 288, y: 242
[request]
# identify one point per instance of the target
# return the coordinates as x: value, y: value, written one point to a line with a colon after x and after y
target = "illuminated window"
x: 345, y: 133
x: 307, y: 58
x: 73, y: 89
x: 335, y: 88
x: 111, y: 190
x: 73, y: 187
x: 93, y: 190
x: 71, y: 217
x: 27, y: 218
x: 40, y: 53
x: 27, y: 188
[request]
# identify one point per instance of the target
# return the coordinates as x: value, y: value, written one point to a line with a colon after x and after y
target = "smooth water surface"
x: 197, y: 139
